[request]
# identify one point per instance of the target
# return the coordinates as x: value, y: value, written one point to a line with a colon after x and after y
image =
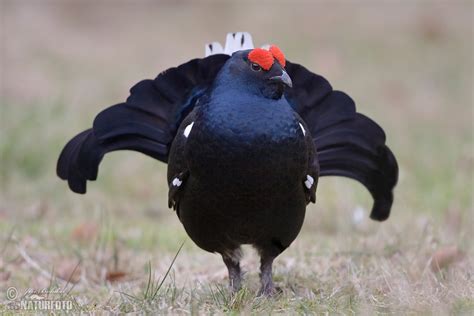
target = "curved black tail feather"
x: 349, y: 144
x: 352, y: 149
x: 146, y: 122
x: 79, y: 160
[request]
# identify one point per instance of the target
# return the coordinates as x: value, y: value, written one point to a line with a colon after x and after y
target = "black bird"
x: 246, y: 138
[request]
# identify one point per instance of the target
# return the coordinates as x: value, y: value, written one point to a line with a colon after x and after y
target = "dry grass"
x: 408, y: 66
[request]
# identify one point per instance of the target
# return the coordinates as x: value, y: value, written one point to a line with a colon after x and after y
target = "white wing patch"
x: 234, y: 42
x: 309, y: 181
x: 176, y: 182
x: 188, y: 129
x: 302, y: 128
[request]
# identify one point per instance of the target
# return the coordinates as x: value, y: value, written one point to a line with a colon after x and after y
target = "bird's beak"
x: 283, y: 78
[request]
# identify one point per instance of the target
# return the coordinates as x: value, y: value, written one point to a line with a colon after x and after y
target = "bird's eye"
x: 255, y: 67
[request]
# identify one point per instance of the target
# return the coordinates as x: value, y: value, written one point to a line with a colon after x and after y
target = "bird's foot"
x: 235, y: 284
x: 268, y: 288
x: 269, y: 291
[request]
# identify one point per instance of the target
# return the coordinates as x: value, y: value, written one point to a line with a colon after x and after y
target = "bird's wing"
x: 178, y: 169
x: 176, y: 188
x: 310, y: 180
x: 147, y: 122
x: 348, y: 143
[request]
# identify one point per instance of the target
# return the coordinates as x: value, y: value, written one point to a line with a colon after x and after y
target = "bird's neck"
x: 228, y: 84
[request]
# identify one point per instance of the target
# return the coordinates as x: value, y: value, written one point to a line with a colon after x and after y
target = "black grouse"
x: 246, y: 138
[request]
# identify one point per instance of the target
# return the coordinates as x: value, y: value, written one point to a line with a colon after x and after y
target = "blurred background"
x: 408, y: 65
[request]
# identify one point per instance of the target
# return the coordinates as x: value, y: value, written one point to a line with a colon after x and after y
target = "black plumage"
x: 244, y: 150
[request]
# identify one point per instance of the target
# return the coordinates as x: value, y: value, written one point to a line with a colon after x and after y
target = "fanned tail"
x: 349, y: 144
x: 79, y: 160
x: 146, y: 122
x: 356, y: 149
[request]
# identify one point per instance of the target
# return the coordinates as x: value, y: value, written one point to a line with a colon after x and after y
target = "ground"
x: 408, y: 65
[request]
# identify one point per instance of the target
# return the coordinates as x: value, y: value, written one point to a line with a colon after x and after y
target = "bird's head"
x: 258, y: 71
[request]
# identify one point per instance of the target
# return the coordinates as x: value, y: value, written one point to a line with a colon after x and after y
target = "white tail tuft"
x: 214, y: 48
x: 234, y: 42
x: 237, y: 41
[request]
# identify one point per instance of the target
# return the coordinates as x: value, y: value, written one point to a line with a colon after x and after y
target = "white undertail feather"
x: 237, y: 41
x: 234, y: 42
x: 214, y: 48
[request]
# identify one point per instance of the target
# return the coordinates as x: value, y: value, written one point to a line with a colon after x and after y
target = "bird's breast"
x: 249, y: 148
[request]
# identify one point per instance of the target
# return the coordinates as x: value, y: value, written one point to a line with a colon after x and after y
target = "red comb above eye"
x: 278, y: 54
x: 262, y: 57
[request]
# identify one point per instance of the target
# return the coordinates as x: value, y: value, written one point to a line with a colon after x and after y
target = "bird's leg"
x: 232, y: 262
x: 268, y: 288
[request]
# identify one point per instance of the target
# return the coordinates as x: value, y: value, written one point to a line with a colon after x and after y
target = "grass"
x: 116, y: 248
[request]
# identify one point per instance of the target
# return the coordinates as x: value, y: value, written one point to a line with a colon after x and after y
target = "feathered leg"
x: 232, y: 262
x: 267, y: 288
